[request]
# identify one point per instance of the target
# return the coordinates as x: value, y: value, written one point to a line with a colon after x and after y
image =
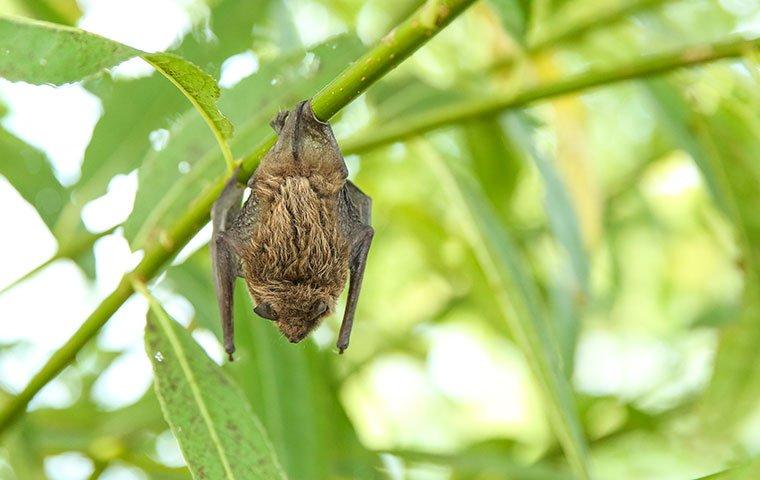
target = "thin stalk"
x: 71, y: 250
x: 435, y: 118
x: 30, y: 273
x: 468, y: 464
x: 401, y: 42
x: 100, y: 467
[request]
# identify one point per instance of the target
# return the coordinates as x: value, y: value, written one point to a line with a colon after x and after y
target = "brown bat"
x: 300, y: 233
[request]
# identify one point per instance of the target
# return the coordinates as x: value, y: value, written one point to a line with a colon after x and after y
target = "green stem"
x: 150, y: 466
x: 100, y: 467
x: 407, y: 37
x: 468, y: 109
x: 71, y: 250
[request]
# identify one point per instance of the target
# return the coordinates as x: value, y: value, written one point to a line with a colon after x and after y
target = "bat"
x: 301, y: 232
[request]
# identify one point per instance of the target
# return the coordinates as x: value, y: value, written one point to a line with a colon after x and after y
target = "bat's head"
x: 295, y: 317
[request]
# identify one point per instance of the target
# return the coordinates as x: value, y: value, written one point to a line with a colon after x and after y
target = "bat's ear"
x: 264, y: 310
x: 278, y: 122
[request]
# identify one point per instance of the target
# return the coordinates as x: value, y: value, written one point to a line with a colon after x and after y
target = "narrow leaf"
x: 497, y: 161
x: 218, y: 433
x: 674, y: 113
x: 563, y: 219
x: 518, y: 300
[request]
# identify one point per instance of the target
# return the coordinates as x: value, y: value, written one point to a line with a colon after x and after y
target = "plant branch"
x: 401, y: 42
x: 435, y: 118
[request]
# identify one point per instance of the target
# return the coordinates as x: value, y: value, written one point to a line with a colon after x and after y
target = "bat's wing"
x: 356, y: 208
x: 224, y: 258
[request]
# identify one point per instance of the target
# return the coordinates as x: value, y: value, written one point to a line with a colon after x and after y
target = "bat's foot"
x: 342, y: 348
x: 230, y: 357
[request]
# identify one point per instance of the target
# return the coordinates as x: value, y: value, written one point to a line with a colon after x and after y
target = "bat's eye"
x: 264, y: 310
x: 318, y: 309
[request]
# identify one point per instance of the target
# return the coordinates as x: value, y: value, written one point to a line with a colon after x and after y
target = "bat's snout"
x: 295, y: 337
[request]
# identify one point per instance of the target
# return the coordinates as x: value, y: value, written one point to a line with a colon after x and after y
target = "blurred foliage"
x: 633, y: 264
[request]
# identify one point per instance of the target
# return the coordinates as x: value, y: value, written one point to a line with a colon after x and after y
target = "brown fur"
x: 298, y: 255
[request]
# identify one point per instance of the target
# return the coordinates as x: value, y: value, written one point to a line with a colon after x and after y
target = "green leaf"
x: 741, y: 472
x: 497, y: 162
x: 488, y: 460
x: 519, y: 301
x: 219, y: 435
x: 674, y: 113
x: 202, y: 91
x: 722, y: 145
x: 234, y: 28
x: 515, y: 15
x: 169, y: 179
x: 48, y: 53
x: 498, y: 154
x: 730, y: 136
x: 30, y: 173
x: 40, y: 52
x: 559, y: 206
x: 132, y: 110
x: 66, y: 12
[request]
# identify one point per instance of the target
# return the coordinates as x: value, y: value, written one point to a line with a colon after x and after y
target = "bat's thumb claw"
x: 230, y: 357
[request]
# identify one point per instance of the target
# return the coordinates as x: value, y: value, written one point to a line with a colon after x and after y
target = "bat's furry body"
x: 298, y: 255
x: 302, y: 230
